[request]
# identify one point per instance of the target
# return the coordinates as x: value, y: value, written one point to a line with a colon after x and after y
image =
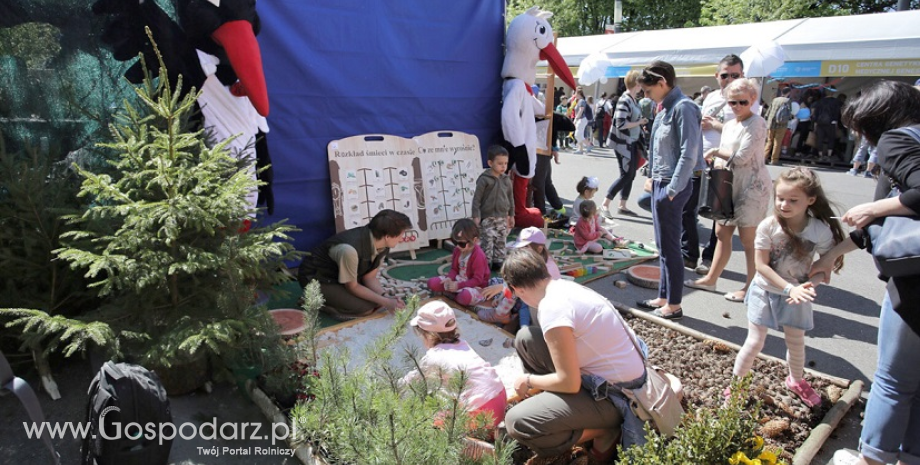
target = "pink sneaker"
x: 804, y: 391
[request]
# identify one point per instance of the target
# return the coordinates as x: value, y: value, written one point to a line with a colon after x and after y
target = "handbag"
x: 810, y: 140
x: 658, y: 400
x: 894, y: 241
x: 716, y: 194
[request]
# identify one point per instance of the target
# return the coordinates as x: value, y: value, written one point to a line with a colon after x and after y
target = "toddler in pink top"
x: 588, y: 230
x: 448, y: 355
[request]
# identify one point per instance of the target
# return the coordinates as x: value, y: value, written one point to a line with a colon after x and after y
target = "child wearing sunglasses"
x: 469, y: 268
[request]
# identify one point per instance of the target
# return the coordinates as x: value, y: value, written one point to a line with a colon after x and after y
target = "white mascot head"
x: 529, y: 40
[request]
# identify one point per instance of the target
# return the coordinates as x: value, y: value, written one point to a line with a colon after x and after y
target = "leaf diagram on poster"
x: 373, y: 173
x: 451, y: 164
x: 431, y: 178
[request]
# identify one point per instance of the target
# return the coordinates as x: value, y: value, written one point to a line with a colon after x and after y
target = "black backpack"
x: 124, y: 393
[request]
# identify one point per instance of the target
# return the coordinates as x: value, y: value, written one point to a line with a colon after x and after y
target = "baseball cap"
x: 528, y: 236
x: 436, y: 317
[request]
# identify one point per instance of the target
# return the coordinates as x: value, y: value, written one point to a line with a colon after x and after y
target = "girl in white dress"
x: 781, y: 294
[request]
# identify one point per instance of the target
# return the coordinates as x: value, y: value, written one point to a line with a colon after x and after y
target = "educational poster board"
x: 451, y: 164
x: 374, y: 172
x: 431, y: 178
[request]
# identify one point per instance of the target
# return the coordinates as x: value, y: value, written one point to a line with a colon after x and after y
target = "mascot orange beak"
x: 552, y: 56
x: 237, y: 38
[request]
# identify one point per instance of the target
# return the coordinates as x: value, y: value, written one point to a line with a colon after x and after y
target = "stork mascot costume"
x: 529, y: 39
x: 213, y: 47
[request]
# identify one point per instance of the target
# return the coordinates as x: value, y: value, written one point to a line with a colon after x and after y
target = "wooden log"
x: 819, y: 434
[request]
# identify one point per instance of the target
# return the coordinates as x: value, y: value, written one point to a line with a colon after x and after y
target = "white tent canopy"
x: 821, y: 44
x: 885, y: 36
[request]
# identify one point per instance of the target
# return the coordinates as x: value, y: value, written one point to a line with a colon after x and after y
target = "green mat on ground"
x: 408, y: 269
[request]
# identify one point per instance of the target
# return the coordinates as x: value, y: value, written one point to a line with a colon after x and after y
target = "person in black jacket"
x: 891, y: 429
x: 826, y: 118
x: 543, y: 188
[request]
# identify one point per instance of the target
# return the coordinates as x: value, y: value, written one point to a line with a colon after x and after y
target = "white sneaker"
x: 845, y: 457
x: 852, y: 172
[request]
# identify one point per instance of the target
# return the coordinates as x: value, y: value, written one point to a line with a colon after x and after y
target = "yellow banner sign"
x: 910, y: 67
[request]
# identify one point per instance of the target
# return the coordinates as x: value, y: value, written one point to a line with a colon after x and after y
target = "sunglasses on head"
x: 743, y: 103
x: 650, y: 77
x: 733, y: 75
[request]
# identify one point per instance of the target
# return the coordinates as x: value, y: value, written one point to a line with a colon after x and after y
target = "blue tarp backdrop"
x: 350, y: 67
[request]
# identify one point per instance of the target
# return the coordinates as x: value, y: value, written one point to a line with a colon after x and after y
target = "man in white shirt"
x: 715, y: 114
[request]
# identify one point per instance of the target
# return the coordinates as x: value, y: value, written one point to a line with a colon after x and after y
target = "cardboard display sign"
x: 451, y: 164
x: 430, y: 178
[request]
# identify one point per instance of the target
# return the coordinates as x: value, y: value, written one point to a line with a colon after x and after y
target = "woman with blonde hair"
x: 624, y: 140
x: 742, y: 151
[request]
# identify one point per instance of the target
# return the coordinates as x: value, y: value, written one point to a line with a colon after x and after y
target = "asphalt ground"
x: 843, y: 342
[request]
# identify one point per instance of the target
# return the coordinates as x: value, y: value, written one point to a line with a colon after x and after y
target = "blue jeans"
x: 666, y: 218
x: 891, y: 429
x: 690, y: 235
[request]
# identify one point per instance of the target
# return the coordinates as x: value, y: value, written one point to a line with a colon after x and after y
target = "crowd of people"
x: 575, y: 347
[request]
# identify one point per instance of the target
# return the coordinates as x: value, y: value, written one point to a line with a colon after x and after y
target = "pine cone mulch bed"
x: 705, y: 369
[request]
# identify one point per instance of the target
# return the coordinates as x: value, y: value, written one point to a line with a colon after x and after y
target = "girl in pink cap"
x: 447, y: 355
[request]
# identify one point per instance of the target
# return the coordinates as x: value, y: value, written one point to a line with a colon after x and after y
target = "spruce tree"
x: 165, y: 240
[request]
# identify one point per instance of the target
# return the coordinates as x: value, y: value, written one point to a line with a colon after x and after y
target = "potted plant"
x: 167, y: 241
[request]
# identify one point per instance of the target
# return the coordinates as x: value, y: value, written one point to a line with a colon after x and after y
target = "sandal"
x: 732, y: 297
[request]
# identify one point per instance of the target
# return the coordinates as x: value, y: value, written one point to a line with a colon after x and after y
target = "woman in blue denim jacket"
x: 676, y: 148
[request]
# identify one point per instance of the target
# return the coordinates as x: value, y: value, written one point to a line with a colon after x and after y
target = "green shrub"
x: 34, y: 194
x: 708, y: 436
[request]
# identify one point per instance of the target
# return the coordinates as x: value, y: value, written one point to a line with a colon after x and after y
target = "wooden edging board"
x: 819, y: 434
